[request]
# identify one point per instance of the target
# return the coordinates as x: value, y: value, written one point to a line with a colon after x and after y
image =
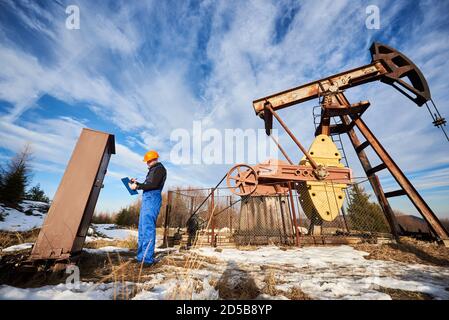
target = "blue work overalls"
x: 151, y: 204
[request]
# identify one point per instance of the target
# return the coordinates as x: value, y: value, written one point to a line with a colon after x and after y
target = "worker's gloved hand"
x: 132, y: 186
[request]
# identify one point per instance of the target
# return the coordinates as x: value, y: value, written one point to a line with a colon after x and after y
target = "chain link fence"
x: 304, y: 213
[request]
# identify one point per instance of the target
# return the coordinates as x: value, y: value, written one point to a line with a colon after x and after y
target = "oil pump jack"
x: 320, y: 175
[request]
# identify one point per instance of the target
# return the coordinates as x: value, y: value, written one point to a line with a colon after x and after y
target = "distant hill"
x: 411, y: 223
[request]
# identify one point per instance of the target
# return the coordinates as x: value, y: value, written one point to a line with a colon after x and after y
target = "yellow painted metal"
x: 322, y: 198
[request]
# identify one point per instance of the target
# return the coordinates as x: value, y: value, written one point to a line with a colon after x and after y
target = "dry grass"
x: 296, y: 293
x: 130, y: 243
x: 408, y: 251
x: 8, y: 239
x: 397, y: 294
x: 270, y: 284
x: 237, y: 285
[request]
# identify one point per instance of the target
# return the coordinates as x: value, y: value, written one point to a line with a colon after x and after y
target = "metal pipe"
x: 281, y: 149
x: 300, y: 146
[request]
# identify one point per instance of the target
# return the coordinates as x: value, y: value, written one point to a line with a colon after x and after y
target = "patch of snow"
x: 337, y: 272
x: 29, y: 204
x: 31, y: 216
x: 179, y: 288
x: 85, y: 291
x: 159, y: 292
x: 94, y: 238
x: 165, y: 249
x: 18, y: 221
x: 104, y: 250
x: 114, y: 232
x: 18, y: 247
x: 303, y: 230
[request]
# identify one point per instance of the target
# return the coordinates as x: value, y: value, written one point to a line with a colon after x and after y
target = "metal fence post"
x: 295, y: 222
x: 167, y: 218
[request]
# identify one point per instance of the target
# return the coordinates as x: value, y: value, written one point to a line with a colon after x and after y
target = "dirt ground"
x: 408, y: 250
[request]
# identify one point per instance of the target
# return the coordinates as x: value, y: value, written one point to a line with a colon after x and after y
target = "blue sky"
x: 140, y: 69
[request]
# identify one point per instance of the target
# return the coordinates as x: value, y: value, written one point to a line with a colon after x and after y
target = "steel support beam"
x: 373, y: 179
x: 402, y: 180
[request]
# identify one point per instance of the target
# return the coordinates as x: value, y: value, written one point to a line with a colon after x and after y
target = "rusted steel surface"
x: 309, y: 91
x: 388, y: 65
x: 400, y: 67
x: 298, y: 173
x: 244, y: 180
x: 65, y: 227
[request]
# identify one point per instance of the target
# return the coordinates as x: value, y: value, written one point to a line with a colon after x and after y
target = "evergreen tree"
x: 129, y: 216
x: 15, y: 178
x: 363, y: 214
x: 37, y: 194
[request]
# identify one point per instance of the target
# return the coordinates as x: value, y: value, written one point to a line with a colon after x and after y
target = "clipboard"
x: 125, y: 182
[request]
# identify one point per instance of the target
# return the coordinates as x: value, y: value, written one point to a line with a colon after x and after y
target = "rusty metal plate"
x: 68, y: 219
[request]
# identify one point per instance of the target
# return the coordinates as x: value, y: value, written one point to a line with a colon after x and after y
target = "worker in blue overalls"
x: 151, y: 204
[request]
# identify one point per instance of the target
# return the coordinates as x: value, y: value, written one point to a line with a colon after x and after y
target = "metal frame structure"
x: 389, y: 66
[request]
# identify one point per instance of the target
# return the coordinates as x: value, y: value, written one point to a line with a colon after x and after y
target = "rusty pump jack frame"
x: 391, y: 67
x: 62, y: 235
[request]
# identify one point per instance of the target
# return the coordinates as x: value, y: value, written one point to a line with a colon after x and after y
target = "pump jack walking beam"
x: 388, y: 65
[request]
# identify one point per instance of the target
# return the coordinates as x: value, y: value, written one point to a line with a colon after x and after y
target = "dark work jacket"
x: 155, y: 178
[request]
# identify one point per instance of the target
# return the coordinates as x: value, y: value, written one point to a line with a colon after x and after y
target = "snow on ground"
x: 177, y: 288
x: 338, y: 272
x: 104, y: 250
x: 18, y: 247
x: 85, y: 291
x: 191, y: 285
x: 112, y: 231
x: 31, y: 216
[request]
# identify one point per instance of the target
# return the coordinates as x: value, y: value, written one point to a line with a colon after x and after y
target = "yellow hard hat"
x: 150, y: 155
